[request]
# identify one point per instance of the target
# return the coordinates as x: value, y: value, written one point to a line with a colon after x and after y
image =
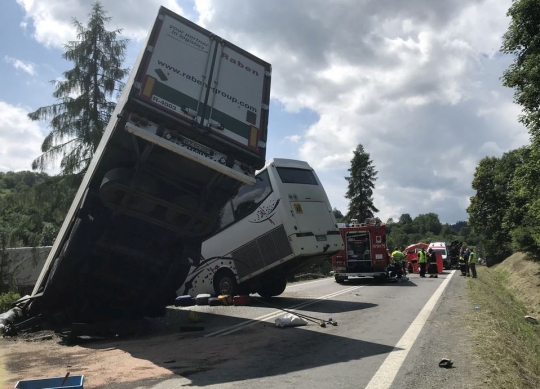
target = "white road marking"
x: 308, y: 283
x: 387, y: 372
x: 271, y: 315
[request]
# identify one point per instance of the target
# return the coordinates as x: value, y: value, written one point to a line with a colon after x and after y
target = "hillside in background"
x: 32, y: 207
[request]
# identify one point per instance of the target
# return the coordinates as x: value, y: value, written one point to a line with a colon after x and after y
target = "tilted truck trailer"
x: 188, y: 131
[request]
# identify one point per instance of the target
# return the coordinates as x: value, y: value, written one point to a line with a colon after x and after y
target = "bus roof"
x: 283, y: 162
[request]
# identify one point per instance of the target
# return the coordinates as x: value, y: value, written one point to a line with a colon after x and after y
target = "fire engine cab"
x: 365, y: 253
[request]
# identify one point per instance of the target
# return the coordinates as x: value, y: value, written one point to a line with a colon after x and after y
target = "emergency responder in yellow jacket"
x: 422, y: 262
x: 473, y: 260
x: 397, y: 258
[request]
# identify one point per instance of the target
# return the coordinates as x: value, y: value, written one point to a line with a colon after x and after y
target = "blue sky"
x: 418, y: 86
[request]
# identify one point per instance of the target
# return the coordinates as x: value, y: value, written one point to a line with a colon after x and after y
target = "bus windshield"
x: 296, y: 176
x: 442, y: 251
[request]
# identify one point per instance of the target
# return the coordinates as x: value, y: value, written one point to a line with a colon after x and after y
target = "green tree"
x: 522, y: 40
x: 338, y: 215
x: 427, y: 222
x: 446, y: 232
x: 77, y: 123
x: 492, y: 210
x: 406, y: 222
x: 522, y: 215
x: 361, y: 184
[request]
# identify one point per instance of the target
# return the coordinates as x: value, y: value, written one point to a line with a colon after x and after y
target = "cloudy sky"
x: 417, y: 83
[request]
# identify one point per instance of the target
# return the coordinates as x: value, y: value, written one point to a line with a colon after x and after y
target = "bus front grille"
x: 261, y: 252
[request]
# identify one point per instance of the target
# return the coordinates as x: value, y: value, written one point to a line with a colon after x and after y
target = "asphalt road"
x: 389, y: 336
x: 384, y: 333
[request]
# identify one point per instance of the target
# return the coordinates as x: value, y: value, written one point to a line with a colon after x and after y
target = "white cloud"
x: 27, y: 67
x: 418, y: 84
x: 52, y: 20
x: 293, y: 138
x: 20, y: 138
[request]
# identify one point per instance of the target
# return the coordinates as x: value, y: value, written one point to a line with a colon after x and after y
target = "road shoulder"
x: 446, y: 334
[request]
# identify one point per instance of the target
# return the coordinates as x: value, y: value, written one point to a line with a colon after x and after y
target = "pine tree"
x: 361, y: 184
x: 83, y: 108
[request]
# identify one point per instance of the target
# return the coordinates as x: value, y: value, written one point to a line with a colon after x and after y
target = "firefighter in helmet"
x: 432, y: 260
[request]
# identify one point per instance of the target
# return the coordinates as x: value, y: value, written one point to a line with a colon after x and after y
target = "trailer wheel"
x: 272, y: 287
x: 225, y: 283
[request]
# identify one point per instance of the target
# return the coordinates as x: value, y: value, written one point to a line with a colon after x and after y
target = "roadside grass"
x: 508, y: 345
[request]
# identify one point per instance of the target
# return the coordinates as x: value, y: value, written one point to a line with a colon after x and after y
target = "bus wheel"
x: 272, y: 287
x: 225, y: 283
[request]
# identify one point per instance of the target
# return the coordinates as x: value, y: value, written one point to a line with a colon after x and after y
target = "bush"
x: 6, y: 299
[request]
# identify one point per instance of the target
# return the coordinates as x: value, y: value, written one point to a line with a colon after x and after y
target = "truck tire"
x: 272, y: 287
x: 225, y: 283
x: 340, y: 279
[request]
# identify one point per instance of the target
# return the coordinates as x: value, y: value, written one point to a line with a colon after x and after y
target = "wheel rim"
x: 225, y: 285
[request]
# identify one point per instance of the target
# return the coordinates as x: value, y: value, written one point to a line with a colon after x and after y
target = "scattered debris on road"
x: 290, y: 320
x: 446, y: 363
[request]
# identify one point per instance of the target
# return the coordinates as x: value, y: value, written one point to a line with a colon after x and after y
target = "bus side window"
x: 225, y: 216
x: 249, y: 198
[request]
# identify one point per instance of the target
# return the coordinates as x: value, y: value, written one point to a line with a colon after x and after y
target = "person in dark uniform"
x: 432, y: 261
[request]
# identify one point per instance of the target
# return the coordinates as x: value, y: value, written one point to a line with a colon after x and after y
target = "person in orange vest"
x: 432, y: 260
x: 422, y: 262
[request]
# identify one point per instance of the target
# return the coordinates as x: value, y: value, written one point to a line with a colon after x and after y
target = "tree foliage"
x: 424, y: 228
x: 505, y: 211
x: 83, y: 106
x: 338, y: 215
x: 31, y: 215
x: 496, y: 210
x: 523, y: 41
x: 361, y: 184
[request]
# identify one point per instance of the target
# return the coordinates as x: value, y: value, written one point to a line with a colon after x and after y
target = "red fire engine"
x: 365, y: 253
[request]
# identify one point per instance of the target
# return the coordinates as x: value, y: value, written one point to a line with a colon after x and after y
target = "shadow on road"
x: 372, y: 282
x: 258, y: 352
x: 322, y: 306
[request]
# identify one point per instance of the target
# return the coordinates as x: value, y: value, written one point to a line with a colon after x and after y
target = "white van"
x: 441, y: 247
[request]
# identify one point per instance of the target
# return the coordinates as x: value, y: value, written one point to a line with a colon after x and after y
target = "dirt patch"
x: 524, y: 280
x: 106, y: 363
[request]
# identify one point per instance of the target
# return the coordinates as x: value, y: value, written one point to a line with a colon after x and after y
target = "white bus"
x: 267, y: 232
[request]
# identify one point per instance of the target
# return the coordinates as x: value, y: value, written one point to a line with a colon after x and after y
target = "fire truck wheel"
x: 225, y: 283
x: 380, y: 279
x: 340, y: 279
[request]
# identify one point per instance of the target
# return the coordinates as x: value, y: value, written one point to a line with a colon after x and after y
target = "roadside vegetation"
x: 6, y: 299
x: 507, y: 344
